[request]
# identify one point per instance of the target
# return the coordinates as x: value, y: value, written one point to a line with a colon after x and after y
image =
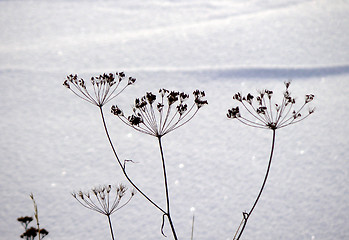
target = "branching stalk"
x: 122, y: 166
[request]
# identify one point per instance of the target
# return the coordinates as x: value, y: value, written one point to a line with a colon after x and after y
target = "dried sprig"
x: 42, y: 232
x: 263, y: 113
x: 100, y: 199
x: 105, y: 87
x: 32, y: 232
x: 172, y: 111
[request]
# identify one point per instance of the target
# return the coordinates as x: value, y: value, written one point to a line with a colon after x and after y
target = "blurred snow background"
x: 52, y: 143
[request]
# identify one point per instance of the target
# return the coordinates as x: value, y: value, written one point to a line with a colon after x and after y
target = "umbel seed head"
x: 105, y: 87
x: 263, y: 113
x: 155, y: 116
x: 104, y: 199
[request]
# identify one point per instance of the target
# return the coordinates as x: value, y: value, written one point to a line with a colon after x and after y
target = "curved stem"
x: 122, y: 167
x: 246, y: 216
x: 111, y: 228
x: 166, y: 189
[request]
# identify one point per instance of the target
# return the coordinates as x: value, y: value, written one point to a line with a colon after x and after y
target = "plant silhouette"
x: 263, y: 113
x: 158, y: 115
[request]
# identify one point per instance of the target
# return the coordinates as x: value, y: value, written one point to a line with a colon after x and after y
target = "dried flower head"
x: 171, y: 109
x: 25, y: 221
x: 43, y: 233
x: 104, y: 88
x: 266, y: 114
x: 100, y: 199
x: 30, y: 233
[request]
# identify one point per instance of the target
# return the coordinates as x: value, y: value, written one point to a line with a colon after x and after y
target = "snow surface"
x: 52, y: 143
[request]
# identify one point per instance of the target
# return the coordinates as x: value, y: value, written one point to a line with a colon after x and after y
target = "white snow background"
x: 53, y: 143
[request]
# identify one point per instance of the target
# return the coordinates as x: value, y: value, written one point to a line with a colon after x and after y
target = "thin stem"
x: 192, y: 228
x: 122, y: 167
x: 111, y: 227
x: 247, y: 215
x: 166, y: 189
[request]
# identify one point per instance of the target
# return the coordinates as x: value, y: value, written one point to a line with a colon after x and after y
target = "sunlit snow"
x: 53, y: 143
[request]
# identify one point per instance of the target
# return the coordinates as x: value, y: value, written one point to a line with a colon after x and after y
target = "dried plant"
x: 32, y: 232
x: 172, y: 113
x: 263, y: 113
x: 159, y: 118
x: 100, y: 199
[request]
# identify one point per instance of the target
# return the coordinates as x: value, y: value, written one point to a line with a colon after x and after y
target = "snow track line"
x: 220, y: 72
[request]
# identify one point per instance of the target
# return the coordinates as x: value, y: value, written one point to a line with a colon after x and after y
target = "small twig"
x: 163, y: 224
x: 128, y: 160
